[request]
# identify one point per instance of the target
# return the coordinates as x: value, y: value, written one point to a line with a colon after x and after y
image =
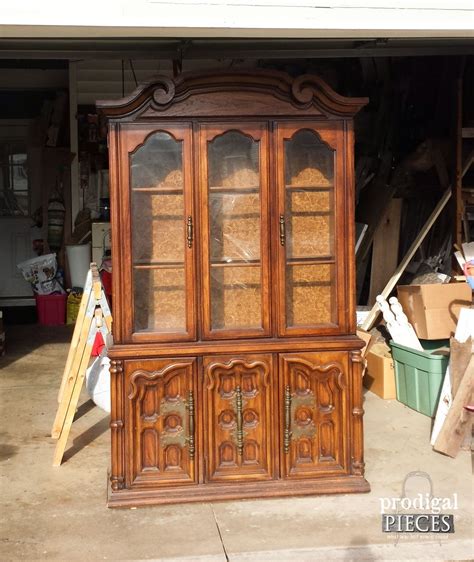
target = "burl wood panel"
x: 158, y: 227
x: 238, y: 397
x: 160, y: 300
x: 236, y: 297
x: 310, y: 224
x: 160, y: 420
x: 310, y: 295
x: 314, y: 403
x: 235, y: 226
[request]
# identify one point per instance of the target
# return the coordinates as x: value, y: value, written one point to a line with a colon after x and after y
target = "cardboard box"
x: 365, y: 337
x: 380, y: 375
x: 433, y: 310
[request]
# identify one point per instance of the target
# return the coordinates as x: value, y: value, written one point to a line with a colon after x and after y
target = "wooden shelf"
x: 237, y: 190
x: 159, y: 265
x: 311, y: 187
x: 237, y: 263
x: 164, y: 189
x: 311, y: 213
x: 311, y: 261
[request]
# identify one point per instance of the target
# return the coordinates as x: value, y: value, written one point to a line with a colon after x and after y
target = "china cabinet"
x: 235, y: 369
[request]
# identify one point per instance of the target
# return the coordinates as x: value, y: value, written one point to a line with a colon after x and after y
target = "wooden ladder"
x: 94, y: 316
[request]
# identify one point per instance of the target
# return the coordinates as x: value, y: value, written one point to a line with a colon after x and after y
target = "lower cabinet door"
x: 161, y: 421
x: 239, y: 416
x: 314, y: 404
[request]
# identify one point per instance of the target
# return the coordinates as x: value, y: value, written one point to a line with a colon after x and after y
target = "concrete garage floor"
x: 59, y: 513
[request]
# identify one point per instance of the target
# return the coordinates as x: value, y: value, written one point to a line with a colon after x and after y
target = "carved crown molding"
x: 302, y: 92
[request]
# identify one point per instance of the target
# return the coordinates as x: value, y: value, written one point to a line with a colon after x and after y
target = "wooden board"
x: 458, y: 420
x: 372, y: 316
x: 385, y: 248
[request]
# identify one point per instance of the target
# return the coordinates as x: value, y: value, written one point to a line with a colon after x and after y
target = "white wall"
x: 102, y: 79
x: 238, y: 18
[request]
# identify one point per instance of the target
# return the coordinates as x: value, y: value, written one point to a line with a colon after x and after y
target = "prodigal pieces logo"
x: 418, y: 511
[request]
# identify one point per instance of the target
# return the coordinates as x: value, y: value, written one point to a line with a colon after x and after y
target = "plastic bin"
x: 51, y: 309
x: 419, y: 376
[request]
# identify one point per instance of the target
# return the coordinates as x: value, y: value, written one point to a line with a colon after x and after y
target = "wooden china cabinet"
x: 235, y: 370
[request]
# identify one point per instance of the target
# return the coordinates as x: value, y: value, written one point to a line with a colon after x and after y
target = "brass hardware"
x: 190, y: 407
x: 178, y: 436
x: 282, y: 230
x: 177, y: 406
x: 240, y: 432
x: 308, y: 399
x: 300, y: 429
x: 287, y: 433
x: 189, y: 237
x: 184, y: 435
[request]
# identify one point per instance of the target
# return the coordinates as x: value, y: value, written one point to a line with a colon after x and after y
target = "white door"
x: 19, y: 198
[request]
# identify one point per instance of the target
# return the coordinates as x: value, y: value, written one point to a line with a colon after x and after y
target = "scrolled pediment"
x: 232, y: 93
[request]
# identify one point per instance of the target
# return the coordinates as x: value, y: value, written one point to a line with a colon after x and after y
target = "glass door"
x: 162, y: 228
x: 235, y: 220
x: 310, y: 248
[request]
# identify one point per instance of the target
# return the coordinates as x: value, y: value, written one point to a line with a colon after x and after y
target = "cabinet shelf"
x: 320, y: 260
x: 164, y: 189
x: 234, y: 189
x: 236, y: 263
x: 159, y: 265
x: 310, y: 187
x: 314, y: 213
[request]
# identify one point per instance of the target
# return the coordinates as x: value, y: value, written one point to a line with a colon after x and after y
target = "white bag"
x: 98, y: 381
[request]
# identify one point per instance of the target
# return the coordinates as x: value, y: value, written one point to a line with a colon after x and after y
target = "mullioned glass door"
x: 162, y: 234
x: 235, y: 228
x: 310, y: 250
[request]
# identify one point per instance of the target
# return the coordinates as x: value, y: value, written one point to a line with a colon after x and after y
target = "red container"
x: 51, y: 309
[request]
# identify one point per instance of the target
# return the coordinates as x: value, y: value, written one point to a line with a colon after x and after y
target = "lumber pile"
x: 454, y: 417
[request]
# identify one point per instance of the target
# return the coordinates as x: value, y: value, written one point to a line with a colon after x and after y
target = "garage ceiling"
x: 141, y: 48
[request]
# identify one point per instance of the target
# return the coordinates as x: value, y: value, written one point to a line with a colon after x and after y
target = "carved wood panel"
x: 238, y: 396
x: 314, y: 399
x: 161, y: 421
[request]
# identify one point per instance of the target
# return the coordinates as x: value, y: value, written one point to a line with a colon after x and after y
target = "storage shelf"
x: 236, y: 263
x: 310, y: 213
x: 311, y: 261
x: 310, y: 187
x: 159, y: 265
x: 165, y: 189
x: 237, y: 190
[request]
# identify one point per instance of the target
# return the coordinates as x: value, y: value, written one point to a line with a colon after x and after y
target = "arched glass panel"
x: 310, y: 233
x: 158, y: 227
x: 235, y: 232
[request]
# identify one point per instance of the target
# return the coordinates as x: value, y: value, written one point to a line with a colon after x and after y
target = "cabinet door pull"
x: 240, y: 432
x: 189, y: 225
x: 282, y: 230
x: 190, y: 406
x: 287, y: 433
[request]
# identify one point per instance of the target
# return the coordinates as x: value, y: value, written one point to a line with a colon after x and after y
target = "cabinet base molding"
x: 221, y: 492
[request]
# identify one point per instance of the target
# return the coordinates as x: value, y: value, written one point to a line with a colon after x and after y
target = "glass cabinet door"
x: 162, y: 226
x: 310, y: 296
x: 234, y: 198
